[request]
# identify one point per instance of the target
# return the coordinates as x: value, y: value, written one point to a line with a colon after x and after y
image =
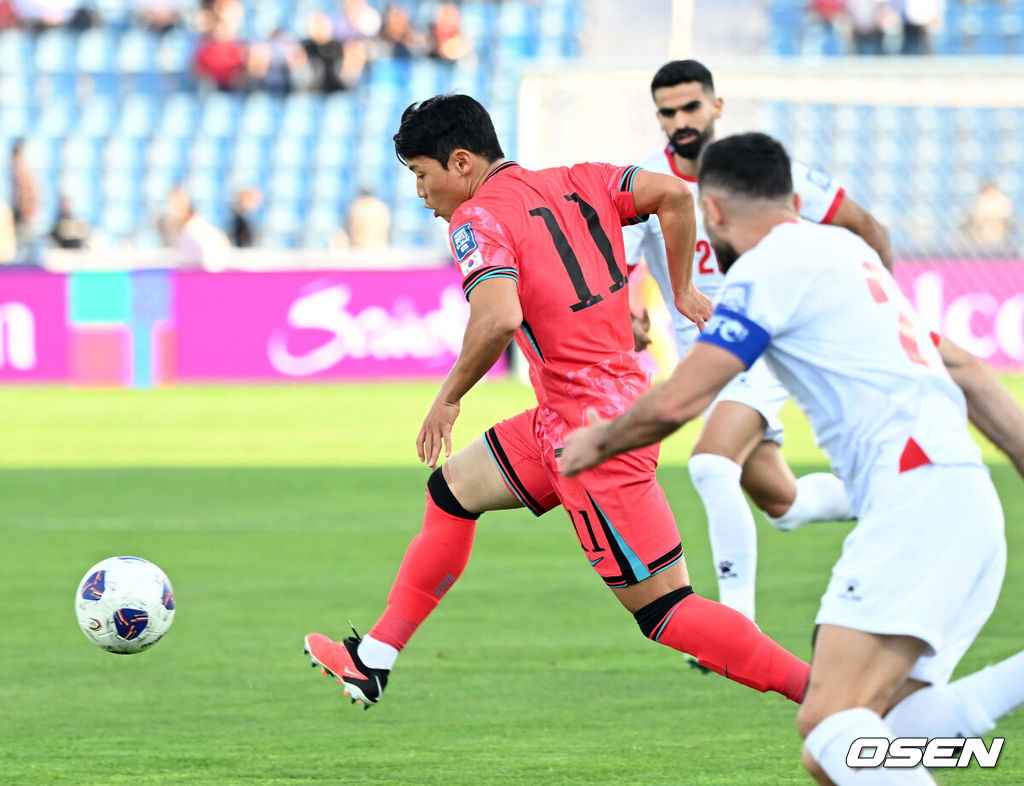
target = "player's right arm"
x: 990, y: 407
x: 494, y: 316
x: 672, y: 200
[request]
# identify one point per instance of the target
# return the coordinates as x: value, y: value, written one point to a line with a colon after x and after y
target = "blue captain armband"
x: 736, y: 333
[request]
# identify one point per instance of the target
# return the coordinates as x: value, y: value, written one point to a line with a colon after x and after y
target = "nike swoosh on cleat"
x: 356, y: 674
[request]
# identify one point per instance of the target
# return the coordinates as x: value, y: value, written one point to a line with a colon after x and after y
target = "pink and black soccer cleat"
x: 340, y: 659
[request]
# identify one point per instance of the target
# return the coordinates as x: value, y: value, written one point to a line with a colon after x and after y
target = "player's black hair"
x: 440, y: 125
x: 754, y: 165
x: 678, y: 72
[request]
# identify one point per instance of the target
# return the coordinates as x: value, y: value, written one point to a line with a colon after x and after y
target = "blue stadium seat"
x: 168, y: 153
x: 126, y: 155
x: 251, y: 153
x: 96, y: 51
x: 219, y: 115
x: 261, y: 115
x: 17, y: 52
x: 340, y: 116
x: 211, y: 154
x: 301, y: 116
x: 137, y: 52
x: 290, y: 153
x: 55, y: 52
x: 138, y: 115
x: 176, y: 51
x: 82, y: 154
x: 57, y: 116
x: 180, y: 115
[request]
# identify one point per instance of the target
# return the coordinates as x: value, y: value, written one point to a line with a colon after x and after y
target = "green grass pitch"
x: 280, y: 510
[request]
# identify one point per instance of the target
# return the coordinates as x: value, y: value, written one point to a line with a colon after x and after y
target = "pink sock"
x: 723, y: 640
x: 432, y: 563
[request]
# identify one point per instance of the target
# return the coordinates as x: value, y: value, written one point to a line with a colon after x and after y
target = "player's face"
x: 442, y: 190
x: 687, y: 114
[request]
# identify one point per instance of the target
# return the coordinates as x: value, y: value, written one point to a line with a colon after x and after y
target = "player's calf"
x: 724, y: 641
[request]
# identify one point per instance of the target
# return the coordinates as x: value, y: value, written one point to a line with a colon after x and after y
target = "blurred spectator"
x: 866, y: 25
x: 447, y: 42
x: 243, y: 217
x: 397, y: 37
x: 160, y: 16
x: 326, y: 55
x: 40, y: 15
x: 369, y: 222
x: 278, y: 64
x: 8, y: 243
x: 8, y: 17
x: 199, y: 243
x: 830, y: 16
x: 990, y: 224
x: 220, y: 57
x: 24, y: 196
x: 358, y: 20
x: 919, y: 18
x: 210, y: 11
x: 69, y: 231
x: 170, y: 222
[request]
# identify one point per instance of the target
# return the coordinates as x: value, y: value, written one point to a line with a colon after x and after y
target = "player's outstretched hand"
x: 583, y: 446
x: 436, y: 432
x: 695, y: 306
x: 641, y: 331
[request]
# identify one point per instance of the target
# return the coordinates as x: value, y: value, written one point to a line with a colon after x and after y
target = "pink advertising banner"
x: 318, y: 325
x: 33, y: 327
x: 978, y: 305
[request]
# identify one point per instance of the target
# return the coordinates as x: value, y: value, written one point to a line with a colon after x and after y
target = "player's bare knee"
x: 810, y: 714
x: 772, y: 506
x: 444, y: 497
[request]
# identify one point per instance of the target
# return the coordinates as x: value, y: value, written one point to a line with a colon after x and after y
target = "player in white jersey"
x: 739, y: 446
x: 921, y: 571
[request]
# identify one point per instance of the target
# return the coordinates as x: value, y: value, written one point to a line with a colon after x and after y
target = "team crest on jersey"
x: 735, y: 297
x: 463, y: 241
x: 819, y: 178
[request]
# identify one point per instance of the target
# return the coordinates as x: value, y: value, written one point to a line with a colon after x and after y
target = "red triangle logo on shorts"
x: 913, y: 456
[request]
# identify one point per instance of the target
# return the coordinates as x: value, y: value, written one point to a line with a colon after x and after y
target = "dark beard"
x: 725, y: 253
x: 690, y: 150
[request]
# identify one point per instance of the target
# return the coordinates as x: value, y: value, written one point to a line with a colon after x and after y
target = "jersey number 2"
x: 569, y: 259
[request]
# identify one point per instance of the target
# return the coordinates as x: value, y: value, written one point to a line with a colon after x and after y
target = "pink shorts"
x: 622, y: 519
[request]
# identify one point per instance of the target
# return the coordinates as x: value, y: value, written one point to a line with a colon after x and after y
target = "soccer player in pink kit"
x: 542, y: 259
x: 921, y: 572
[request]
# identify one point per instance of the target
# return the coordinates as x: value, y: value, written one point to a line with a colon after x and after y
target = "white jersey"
x: 834, y: 327
x: 821, y: 198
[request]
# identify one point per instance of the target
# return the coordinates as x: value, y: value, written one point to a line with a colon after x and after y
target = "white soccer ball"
x: 124, y: 604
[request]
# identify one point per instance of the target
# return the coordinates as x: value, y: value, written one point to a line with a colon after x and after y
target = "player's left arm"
x: 672, y: 200
x: 855, y: 218
x: 495, y: 314
x: 663, y: 409
x: 990, y: 406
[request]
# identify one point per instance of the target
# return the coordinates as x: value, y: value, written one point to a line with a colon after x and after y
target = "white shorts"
x: 926, y: 559
x: 759, y: 389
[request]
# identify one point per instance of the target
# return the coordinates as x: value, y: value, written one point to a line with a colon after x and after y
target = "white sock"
x: 968, y: 707
x: 820, y: 496
x: 376, y: 654
x: 730, y: 527
x: 829, y: 743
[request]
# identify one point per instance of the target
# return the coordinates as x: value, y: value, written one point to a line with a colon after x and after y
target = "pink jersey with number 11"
x: 557, y: 233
